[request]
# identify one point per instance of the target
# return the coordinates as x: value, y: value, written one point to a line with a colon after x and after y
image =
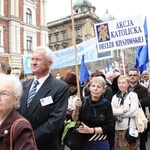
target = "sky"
x: 57, y: 9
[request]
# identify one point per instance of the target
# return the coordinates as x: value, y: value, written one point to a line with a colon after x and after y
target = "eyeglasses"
x: 134, y: 75
x: 4, y: 94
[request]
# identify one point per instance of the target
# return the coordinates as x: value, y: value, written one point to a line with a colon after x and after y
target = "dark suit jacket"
x: 48, y: 120
x: 108, y: 84
x: 115, y: 88
x: 22, y: 137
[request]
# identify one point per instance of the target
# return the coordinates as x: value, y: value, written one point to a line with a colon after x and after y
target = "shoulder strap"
x: 139, y: 103
x: 12, y: 131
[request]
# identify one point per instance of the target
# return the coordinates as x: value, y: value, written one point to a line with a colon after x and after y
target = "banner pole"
x: 75, y: 50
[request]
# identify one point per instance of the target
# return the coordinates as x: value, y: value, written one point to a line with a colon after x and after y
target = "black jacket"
x: 142, y: 93
x: 97, y: 114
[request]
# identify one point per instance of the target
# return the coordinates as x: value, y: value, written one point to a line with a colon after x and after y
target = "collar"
x: 101, y: 101
x: 41, y: 81
x: 108, y: 81
x: 124, y: 95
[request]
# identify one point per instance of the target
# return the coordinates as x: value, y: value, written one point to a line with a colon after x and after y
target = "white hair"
x: 17, y: 85
x: 109, y: 74
x: 49, y: 53
x: 16, y: 70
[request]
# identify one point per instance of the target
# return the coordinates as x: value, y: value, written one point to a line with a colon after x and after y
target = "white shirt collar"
x: 41, y: 81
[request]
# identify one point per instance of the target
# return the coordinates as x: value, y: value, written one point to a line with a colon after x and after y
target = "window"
x: 64, y: 35
x: 56, y: 37
x: 1, y: 36
x: 28, y: 16
x: 50, y: 38
x: 2, y: 7
x: 57, y: 48
x: 78, y: 33
x: 29, y: 43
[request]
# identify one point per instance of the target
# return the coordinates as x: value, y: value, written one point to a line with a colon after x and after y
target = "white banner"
x: 120, y: 33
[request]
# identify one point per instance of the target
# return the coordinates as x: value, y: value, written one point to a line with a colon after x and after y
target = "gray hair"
x: 49, y: 53
x: 17, y: 85
x: 5, y: 67
x: 109, y: 74
x: 99, y: 80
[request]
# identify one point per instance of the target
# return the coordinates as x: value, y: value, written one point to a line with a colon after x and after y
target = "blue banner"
x: 66, y: 57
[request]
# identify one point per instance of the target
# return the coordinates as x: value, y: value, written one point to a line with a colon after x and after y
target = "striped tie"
x: 32, y: 92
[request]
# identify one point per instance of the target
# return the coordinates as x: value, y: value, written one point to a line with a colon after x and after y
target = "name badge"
x: 46, y: 101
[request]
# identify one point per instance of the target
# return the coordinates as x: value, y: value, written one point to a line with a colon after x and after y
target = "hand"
x: 148, y: 90
x: 83, y: 128
x: 78, y: 103
x: 125, y: 110
x: 70, y: 111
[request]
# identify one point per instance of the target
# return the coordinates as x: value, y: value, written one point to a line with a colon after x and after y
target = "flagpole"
x: 75, y: 51
x: 122, y: 57
x: 148, y: 43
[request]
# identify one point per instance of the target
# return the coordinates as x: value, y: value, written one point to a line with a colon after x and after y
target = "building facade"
x: 22, y: 28
x: 61, y: 35
x: 60, y: 31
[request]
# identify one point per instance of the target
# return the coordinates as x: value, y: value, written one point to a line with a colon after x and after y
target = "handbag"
x: 12, y: 131
x: 131, y: 134
x: 140, y: 119
x: 70, y: 136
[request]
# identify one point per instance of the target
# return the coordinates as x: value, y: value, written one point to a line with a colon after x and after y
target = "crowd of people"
x: 107, y: 105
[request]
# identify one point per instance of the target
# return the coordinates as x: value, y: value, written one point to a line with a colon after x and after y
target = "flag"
x: 84, y: 74
x: 109, y: 66
x: 116, y: 65
x: 142, y: 52
x: 9, y: 61
x: 90, y: 71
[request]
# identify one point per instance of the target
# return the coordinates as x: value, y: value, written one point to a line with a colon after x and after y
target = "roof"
x: 82, y: 3
x: 107, y: 16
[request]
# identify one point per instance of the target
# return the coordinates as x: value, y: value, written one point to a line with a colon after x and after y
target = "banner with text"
x: 66, y: 57
x: 120, y: 33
